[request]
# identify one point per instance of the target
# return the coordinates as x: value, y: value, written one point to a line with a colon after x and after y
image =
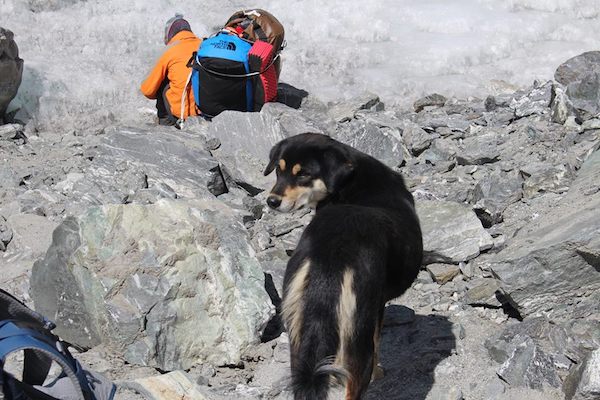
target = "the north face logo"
x: 224, y: 44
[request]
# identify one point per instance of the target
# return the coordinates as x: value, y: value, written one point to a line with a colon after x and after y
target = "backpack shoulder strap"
x: 14, y: 338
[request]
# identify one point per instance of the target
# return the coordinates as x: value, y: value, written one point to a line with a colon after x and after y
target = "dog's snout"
x: 273, y: 201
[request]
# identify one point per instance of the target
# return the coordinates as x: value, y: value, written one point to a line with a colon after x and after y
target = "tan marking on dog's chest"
x: 282, y: 164
x: 293, y: 304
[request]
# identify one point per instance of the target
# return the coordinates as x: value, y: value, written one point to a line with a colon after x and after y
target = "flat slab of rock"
x: 246, y: 139
x: 174, y: 385
x: 482, y: 292
x: 557, y: 258
x: 478, y: 150
x: 442, y: 273
x: 345, y: 111
x: 385, y: 144
x: 131, y: 159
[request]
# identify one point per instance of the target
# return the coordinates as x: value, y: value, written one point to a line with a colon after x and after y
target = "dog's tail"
x: 319, y: 312
x: 313, y: 380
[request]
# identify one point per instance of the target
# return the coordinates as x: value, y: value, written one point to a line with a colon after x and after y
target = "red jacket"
x: 173, y: 65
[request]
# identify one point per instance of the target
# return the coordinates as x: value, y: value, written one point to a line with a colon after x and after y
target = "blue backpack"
x: 221, y: 77
x: 22, y: 329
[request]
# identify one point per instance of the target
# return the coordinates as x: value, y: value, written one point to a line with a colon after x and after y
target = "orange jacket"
x: 172, y: 65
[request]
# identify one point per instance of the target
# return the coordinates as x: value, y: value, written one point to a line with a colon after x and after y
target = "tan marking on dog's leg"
x: 345, y: 313
x: 296, y: 168
x: 282, y: 164
x: 293, y: 304
x: 351, y: 390
x: 378, y: 371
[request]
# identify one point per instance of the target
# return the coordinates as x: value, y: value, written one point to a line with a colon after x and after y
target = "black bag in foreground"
x: 22, y: 329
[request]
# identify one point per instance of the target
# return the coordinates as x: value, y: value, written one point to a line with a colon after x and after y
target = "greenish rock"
x: 168, y: 285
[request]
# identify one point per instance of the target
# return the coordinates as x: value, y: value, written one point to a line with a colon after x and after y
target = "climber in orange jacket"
x: 167, y: 80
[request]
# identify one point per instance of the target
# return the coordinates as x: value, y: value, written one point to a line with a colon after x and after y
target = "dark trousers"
x: 163, y: 108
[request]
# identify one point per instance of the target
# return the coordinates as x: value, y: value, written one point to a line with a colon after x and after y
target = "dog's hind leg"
x: 360, y: 376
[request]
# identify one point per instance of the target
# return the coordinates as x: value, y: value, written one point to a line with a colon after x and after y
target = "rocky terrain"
x: 153, y: 249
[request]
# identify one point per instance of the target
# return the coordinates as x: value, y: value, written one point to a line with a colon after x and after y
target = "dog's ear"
x: 274, y: 156
x: 339, y: 171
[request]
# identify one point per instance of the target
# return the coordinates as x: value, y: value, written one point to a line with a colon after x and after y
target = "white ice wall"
x: 88, y: 57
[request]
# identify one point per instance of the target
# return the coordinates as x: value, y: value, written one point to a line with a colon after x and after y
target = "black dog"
x: 362, y: 248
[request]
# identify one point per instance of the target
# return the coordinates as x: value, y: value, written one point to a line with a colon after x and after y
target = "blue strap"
x: 15, y: 343
x: 14, y: 338
x: 249, y: 91
x: 9, y: 328
x: 196, y: 86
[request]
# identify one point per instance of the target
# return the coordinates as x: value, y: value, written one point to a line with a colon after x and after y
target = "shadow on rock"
x: 411, y: 347
x: 275, y: 326
x: 290, y: 95
x: 30, y: 92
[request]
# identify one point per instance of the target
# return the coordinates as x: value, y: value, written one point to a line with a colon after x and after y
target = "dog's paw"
x: 378, y: 373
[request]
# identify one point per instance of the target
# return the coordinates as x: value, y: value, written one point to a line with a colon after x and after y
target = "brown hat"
x: 175, y: 25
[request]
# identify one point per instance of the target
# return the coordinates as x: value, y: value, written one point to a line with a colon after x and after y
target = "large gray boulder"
x: 552, y: 266
x: 576, y: 68
x: 11, y: 70
x: 167, y: 285
x: 141, y: 165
